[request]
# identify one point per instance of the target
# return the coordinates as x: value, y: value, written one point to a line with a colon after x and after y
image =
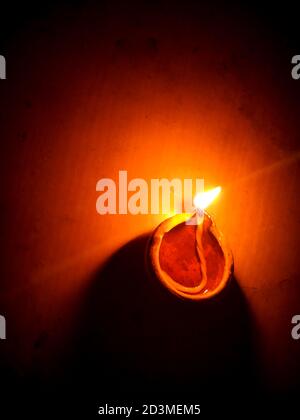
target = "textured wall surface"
x: 160, y: 90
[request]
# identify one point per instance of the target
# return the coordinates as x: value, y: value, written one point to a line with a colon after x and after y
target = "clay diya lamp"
x: 189, y: 255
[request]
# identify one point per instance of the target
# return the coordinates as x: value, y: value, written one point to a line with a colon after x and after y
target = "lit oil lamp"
x: 189, y: 255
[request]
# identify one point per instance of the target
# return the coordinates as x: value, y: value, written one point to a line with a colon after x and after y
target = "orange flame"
x: 202, y: 200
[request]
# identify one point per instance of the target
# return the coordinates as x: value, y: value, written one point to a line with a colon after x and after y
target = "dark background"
x: 88, y: 325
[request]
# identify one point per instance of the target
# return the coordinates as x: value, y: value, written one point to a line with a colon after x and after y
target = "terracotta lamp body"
x: 190, y: 257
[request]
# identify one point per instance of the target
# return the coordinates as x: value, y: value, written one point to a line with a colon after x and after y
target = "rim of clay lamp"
x: 175, y: 287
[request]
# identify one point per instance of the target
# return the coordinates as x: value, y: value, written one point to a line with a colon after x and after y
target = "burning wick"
x: 204, y: 199
x: 182, y: 243
x: 201, y: 202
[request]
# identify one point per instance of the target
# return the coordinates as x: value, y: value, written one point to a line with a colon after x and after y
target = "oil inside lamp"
x: 189, y: 255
